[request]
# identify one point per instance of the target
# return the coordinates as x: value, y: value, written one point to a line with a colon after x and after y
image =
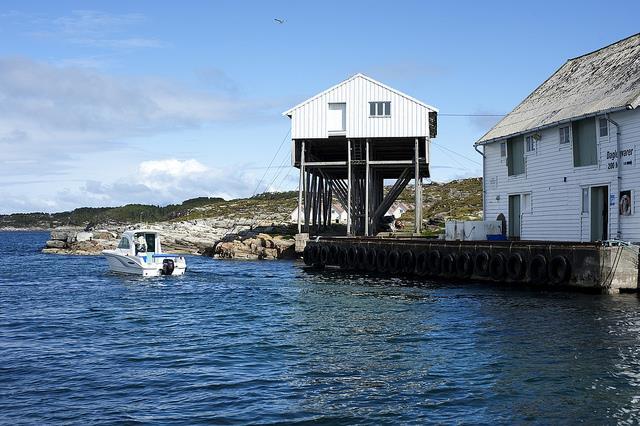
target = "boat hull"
x: 137, y: 266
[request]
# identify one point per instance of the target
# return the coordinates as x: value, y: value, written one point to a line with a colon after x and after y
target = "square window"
x: 530, y: 143
x: 603, y: 125
x: 564, y: 135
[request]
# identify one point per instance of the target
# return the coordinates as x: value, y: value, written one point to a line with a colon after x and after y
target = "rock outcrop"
x: 239, y: 239
x: 254, y: 245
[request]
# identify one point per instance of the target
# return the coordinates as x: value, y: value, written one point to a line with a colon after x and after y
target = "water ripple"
x: 265, y: 342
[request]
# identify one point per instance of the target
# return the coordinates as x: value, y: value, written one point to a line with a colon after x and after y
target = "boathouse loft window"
x: 564, y: 135
x: 603, y: 126
x: 515, y: 156
x: 379, y: 109
x: 585, y: 150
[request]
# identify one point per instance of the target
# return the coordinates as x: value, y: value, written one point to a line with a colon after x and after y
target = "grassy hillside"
x: 460, y: 199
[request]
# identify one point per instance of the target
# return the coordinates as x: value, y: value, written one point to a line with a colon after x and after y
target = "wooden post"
x: 301, y: 188
x: 366, y: 190
x: 418, y: 189
x: 348, y: 186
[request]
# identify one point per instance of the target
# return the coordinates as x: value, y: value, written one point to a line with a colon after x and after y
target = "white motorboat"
x: 139, y: 252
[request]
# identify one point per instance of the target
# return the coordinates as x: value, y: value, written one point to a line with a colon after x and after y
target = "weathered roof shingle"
x: 605, y: 80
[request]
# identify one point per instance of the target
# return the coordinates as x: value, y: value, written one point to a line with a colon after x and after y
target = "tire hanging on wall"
x: 362, y: 258
x: 559, y: 269
x: 538, y: 273
x: 497, y: 266
x: 371, y: 259
x: 307, y: 255
x: 352, y: 256
x: 324, y: 254
x: 449, y: 265
x: 343, y: 257
x: 464, y: 265
x: 435, y: 261
x: 516, y: 267
x: 481, y: 264
x: 394, y: 264
x: 381, y: 260
x: 422, y: 264
x: 408, y: 261
x: 333, y: 255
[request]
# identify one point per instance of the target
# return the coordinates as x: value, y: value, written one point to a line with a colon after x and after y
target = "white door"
x: 337, y: 117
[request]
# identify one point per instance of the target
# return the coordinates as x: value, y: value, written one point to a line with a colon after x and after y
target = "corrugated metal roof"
x: 600, y: 81
x: 353, y: 77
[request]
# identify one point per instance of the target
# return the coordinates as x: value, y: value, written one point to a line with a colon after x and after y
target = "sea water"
x: 238, y: 342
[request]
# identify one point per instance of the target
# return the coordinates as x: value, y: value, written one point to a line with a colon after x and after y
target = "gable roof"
x: 605, y: 80
x: 349, y: 80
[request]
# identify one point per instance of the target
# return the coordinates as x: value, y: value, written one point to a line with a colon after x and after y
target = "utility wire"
x: 271, y: 162
x: 456, y: 153
x: 471, y: 115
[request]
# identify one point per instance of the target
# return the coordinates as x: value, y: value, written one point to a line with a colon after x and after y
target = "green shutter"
x: 585, y: 147
x: 515, y: 156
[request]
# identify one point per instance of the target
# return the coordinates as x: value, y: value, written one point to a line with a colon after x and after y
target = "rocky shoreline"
x: 221, y: 238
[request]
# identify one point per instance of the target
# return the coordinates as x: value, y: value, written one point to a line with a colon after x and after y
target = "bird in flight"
x: 279, y: 21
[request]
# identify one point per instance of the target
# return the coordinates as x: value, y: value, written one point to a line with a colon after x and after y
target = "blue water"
x: 236, y: 342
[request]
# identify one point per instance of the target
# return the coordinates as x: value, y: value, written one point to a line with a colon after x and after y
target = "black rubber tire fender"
x: 307, y: 256
x: 481, y: 264
x: 394, y: 264
x: 408, y: 261
x: 435, y: 262
x: 559, y: 269
x: 324, y: 254
x: 382, y: 259
x: 371, y: 257
x: 333, y: 254
x: 538, y: 272
x: 497, y: 266
x: 422, y: 264
x: 464, y: 265
x: 516, y: 267
x: 362, y: 258
x: 449, y: 265
x: 352, y: 256
x: 343, y: 257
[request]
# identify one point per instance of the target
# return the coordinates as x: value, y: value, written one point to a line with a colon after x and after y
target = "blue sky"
x: 106, y: 103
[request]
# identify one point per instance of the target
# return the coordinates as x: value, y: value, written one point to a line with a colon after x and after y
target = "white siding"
x: 555, y: 203
x: 408, y: 117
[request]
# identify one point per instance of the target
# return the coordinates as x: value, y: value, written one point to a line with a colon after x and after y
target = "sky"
x: 104, y: 103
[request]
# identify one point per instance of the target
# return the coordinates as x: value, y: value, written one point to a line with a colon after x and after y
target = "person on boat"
x: 140, y: 244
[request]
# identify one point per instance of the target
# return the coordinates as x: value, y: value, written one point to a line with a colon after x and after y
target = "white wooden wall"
x: 408, y: 118
x: 555, y: 204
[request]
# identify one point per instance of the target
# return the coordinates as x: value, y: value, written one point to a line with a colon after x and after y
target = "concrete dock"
x: 585, y: 266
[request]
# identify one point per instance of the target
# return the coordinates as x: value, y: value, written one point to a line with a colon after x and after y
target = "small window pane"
x: 387, y: 108
x: 564, y: 134
x: 604, y: 128
x: 503, y: 149
x: 380, y: 108
x: 372, y: 108
x: 585, y: 200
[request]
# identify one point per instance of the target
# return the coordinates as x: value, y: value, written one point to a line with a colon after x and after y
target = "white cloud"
x: 158, y: 182
x: 50, y: 114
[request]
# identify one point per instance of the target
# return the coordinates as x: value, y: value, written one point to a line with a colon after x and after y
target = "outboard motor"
x: 168, y: 266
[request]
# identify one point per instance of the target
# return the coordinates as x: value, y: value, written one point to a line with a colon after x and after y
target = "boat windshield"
x: 151, y: 242
x: 124, y: 243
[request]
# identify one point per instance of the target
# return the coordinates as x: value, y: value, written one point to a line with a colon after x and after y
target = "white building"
x: 347, y: 140
x: 563, y: 164
x: 338, y: 214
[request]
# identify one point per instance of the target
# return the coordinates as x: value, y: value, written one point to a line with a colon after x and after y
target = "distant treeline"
x: 86, y: 216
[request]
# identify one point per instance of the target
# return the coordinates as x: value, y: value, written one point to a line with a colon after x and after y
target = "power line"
x: 271, y: 162
x: 456, y: 153
x: 471, y: 115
